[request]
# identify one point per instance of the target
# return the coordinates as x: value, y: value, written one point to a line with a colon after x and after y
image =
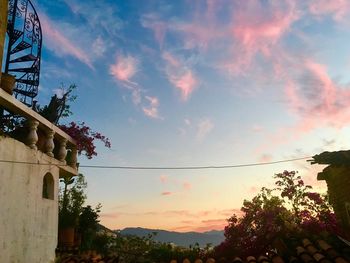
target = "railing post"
x: 62, y: 152
x: 74, y: 157
x: 32, y: 138
x: 3, y: 26
x: 49, y: 144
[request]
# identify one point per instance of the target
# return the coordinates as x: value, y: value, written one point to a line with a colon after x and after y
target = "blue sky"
x: 181, y: 83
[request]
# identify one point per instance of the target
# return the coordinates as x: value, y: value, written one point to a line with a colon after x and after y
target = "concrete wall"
x: 28, y: 222
x: 338, y: 183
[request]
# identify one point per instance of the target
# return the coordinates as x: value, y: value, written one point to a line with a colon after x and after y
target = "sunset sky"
x: 197, y: 83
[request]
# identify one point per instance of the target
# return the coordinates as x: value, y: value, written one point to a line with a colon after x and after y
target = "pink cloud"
x: 265, y: 158
x: 338, y: 9
x: 187, y: 186
x: 124, y: 68
x: 256, y: 29
x: 185, y: 82
x: 152, y: 109
x: 110, y: 215
x: 164, y: 178
x: 171, y: 59
x: 167, y: 193
x: 158, y: 27
x: 229, y: 212
x: 317, y: 99
x: 179, y: 75
x: 202, y: 225
x: 123, y: 71
x: 61, y: 45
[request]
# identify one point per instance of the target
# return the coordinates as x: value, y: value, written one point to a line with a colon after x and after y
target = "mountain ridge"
x: 185, y: 239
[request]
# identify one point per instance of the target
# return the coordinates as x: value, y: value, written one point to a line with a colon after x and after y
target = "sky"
x: 197, y: 83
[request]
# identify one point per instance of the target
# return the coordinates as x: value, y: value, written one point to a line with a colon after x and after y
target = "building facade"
x: 31, y: 164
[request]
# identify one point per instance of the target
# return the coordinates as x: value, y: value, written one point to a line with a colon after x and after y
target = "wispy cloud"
x: 185, y: 82
x: 110, y: 215
x: 164, y: 178
x: 59, y: 43
x: 99, y: 47
x: 167, y: 193
x: 317, y: 100
x: 204, y: 127
x: 123, y: 71
x: 98, y: 15
x: 152, y: 109
x: 337, y: 9
x: 187, y: 186
x: 257, y: 128
x: 180, y: 75
x: 158, y: 27
x: 265, y: 158
x: 124, y: 68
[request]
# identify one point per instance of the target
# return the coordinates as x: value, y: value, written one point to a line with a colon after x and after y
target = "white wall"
x: 28, y: 222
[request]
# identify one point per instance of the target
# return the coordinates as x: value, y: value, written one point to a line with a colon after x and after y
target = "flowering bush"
x: 294, y: 210
x: 85, y: 137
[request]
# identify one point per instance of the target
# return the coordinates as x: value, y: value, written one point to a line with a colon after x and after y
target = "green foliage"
x: 133, y: 249
x: 88, y: 224
x: 71, y: 200
x: 101, y: 243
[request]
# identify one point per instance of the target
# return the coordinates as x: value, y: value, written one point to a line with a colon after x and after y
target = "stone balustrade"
x: 40, y: 134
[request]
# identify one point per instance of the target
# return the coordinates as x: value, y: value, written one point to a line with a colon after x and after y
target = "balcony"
x: 40, y: 134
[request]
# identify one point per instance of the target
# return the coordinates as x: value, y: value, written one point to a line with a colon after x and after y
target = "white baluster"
x: 74, y: 157
x: 32, y: 138
x: 49, y: 144
x: 62, y: 152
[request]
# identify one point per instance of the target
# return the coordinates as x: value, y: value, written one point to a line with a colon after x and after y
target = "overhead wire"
x: 165, y: 167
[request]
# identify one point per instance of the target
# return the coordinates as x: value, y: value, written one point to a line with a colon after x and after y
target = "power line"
x: 167, y: 167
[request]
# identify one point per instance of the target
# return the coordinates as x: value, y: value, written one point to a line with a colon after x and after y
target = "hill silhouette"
x: 185, y: 239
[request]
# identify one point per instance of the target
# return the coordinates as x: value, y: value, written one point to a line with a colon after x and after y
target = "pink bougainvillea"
x: 289, y: 210
x: 85, y: 138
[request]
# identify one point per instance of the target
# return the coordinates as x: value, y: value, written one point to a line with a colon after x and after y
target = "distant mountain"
x: 181, y: 239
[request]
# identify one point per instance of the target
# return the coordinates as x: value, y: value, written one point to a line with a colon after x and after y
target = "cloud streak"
x: 60, y: 44
x: 152, y: 110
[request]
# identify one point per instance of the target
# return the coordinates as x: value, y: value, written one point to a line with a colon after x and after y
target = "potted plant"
x: 7, y: 82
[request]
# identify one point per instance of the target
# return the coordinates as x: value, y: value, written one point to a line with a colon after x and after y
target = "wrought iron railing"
x: 23, y: 49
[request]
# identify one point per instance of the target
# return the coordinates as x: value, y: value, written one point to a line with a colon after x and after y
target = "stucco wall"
x: 338, y: 183
x: 28, y: 222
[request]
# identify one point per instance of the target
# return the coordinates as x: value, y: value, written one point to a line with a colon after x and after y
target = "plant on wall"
x: 59, y: 107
